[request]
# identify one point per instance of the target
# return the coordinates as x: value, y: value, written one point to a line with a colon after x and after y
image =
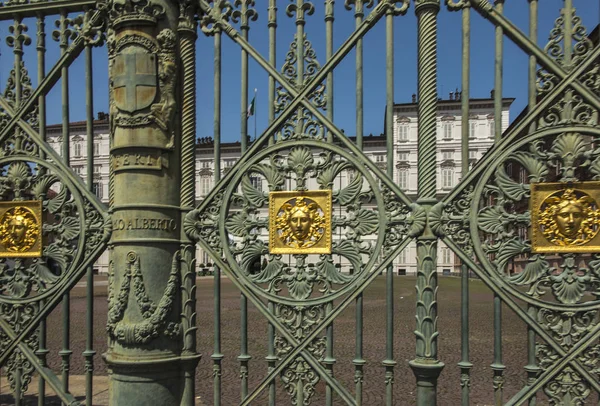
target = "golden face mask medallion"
x: 300, y: 222
x: 565, y: 219
x: 20, y: 229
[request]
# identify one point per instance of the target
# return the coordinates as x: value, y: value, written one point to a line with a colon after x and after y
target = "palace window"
x: 447, y: 155
x: 492, y: 128
x: 256, y: 182
x: 380, y: 158
x: 472, y: 129
x: 446, y: 258
x: 96, y: 148
x: 77, y: 150
x: 403, y: 132
x: 447, y: 177
x: 402, y: 256
x: 403, y: 156
x: 403, y: 178
x: 205, y: 182
x: 97, y: 189
x: 447, y: 127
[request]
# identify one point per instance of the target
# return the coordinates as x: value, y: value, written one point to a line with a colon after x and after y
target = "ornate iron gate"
x: 53, y: 225
x: 328, y: 222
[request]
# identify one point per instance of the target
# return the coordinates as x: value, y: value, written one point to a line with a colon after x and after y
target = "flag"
x: 250, y: 111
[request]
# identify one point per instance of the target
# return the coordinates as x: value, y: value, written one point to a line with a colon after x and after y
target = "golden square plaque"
x: 21, y: 229
x: 300, y: 222
x: 565, y: 217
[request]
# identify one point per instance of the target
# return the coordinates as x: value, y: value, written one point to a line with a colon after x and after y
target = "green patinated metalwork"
x: 151, y: 327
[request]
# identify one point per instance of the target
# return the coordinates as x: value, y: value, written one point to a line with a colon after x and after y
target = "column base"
x: 147, y: 382
x: 427, y: 373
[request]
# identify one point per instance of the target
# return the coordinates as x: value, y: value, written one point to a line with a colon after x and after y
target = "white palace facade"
x: 481, y: 138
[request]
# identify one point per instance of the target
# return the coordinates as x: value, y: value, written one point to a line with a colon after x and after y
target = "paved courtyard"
x: 374, y: 345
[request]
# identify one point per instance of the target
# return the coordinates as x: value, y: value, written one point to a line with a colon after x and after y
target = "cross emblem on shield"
x: 134, y: 81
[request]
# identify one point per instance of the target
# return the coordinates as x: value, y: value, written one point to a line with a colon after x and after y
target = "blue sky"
x: 449, y: 64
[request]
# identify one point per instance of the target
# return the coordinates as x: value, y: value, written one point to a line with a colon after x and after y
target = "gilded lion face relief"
x: 566, y: 220
x: 20, y: 230
x: 300, y: 222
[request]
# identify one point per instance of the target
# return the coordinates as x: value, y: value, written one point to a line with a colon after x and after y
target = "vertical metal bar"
x: 300, y: 10
x: 245, y: 14
x: 42, y: 351
x: 65, y: 352
x: 426, y: 365
x: 466, y: 87
x: 498, y: 367
x: 271, y: 357
x: 568, y: 31
x: 41, y: 59
x: 217, y: 356
x: 358, y: 360
x: 329, y: 18
x: 18, y: 392
x: 187, y: 49
x: 532, y: 368
x: 498, y: 60
x: 389, y: 362
x: 272, y: 24
x: 18, y: 52
x: 244, y: 90
x: 89, y: 320
x: 465, y: 364
x: 329, y: 359
x: 358, y: 17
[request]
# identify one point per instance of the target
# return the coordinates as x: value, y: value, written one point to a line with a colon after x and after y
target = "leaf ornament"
x: 348, y: 194
x: 274, y: 179
x: 350, y: 251
x: 491, y: 220
x: 568, y: 286
x: 326, y: 177
x: 509, y: 249
x: 327, y: 269
x: 255, y: 197
x: 569, y: 147
x: 252, y: 251
x: 535, y: 271
x: 300, y: 160
x: 299, y: 286
x: 366, y: 222
x: 511, y: 189
x: 536, y: 168
x: 55, y: 204
x: 270, y: 272
x: 236, y: 224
